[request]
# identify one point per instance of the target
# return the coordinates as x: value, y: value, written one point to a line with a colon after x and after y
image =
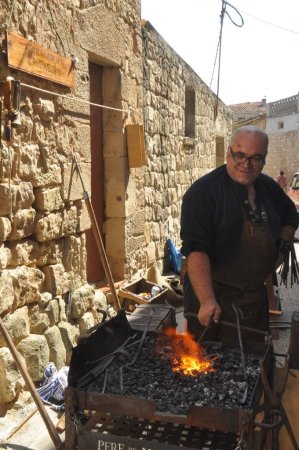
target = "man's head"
x: 246, y: 154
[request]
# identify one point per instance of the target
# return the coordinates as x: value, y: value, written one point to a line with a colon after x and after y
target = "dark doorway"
x: 95, y: 271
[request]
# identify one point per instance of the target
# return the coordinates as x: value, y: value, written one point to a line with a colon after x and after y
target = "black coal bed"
x: 122, y: 395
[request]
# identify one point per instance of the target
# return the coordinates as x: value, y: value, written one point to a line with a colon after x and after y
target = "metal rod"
x: 231, y: 324
x: 205, y: 330
x: 40, y: 406
x: 241, y: 351
x: 98, y: 239
x: 105, y: 381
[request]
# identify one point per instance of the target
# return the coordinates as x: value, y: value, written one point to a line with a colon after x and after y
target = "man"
x: 281, y: 180
x: 237, y: 225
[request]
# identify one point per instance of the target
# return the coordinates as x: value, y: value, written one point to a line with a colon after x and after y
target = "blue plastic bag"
x: 175, y: 256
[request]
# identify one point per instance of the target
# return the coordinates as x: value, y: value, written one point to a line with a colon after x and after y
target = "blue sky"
x: 258, y: 60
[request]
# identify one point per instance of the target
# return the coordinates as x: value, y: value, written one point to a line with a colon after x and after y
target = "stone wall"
x: 283, y: 154
x: 175, y: 159
x: 46, y: 302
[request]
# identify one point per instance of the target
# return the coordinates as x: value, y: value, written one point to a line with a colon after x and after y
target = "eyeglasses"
x: 241, y: 158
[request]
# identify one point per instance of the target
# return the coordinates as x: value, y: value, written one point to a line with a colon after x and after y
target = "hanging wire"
x: 218, y: 51
x: 269, y: 23
x: 76, y: 99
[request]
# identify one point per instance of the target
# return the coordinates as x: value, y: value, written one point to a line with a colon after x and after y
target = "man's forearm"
x: 199, y: 271
x: 287, y: 232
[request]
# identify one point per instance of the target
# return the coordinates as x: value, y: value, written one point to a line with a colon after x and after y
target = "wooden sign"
x: 135, y: 145
x: 30, y: 57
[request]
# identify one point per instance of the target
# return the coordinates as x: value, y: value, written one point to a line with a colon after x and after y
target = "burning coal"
x: 176, y: 373
x: 187, y: 357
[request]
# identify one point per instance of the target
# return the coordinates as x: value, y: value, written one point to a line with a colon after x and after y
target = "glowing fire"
x: 187, y: 355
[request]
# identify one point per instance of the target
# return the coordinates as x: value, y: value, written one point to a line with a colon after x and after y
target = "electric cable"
x: 218, y: 51
x: 269, y: 23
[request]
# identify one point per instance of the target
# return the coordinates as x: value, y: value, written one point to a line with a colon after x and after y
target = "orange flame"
x: 186, y: 354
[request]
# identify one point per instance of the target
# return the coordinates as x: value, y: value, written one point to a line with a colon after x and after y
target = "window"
x: 280, y: 125
x: 190, y: 113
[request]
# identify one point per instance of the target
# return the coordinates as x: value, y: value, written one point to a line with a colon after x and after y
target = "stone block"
x: 50, y: 252
x: 11, y: 381
x: 70, y: 335
x: 51, y: 177
x: 71, y: 184
x: 38, y: 319
x: 57, y: 280
x: 15, y: 196
x: 30, y: 161
x: 23, y: 253
x: 5, y: 228
x: 114, y: 143
x: 56, y: 225
x: 151, y: 254
x: 9, y: 163
x: 17, y: 325
x: 56, y: 346
x: 83, y: 142
x: 28, y: 283
x: 86, y: 322
x: 5, y: 257
x: 45, y: 109
x: 35, y: 350
x: 22, y: 224
x: 82, y: 300
x: 116, y: 177
x: 70, y: 221
x: 53, y: 311
x: 115, y: 246
x: 48, y: 199
x: 39, y: 164
x: 100, y: 300
x: 74, y: 260
x: 136, y: 223
x: 7, y: 293
x: 134, y: 197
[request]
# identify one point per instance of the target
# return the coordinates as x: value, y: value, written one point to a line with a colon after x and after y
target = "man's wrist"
x: 283, y: 246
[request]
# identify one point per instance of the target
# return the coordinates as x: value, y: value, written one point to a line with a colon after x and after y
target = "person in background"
x: 281, y: 180
x: 237, y: 225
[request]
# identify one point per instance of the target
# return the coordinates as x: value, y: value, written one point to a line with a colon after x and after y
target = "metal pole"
x: 40, y: 406
x: 98, y: 239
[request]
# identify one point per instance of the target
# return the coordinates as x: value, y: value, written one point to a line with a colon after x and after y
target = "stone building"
x: 280, y: 120
x: 183, y: 138
x: 48, y: 257
x: 282, y: 126
x: 247, y: 112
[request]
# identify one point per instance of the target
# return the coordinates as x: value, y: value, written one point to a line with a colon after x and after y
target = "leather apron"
x: 242, y: 282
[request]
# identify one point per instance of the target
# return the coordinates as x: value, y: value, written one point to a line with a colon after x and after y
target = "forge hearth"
x: 138, y: 384
x: 152, y: 377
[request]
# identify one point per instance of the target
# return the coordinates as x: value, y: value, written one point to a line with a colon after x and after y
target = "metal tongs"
x: 239, y: 312
x: 237, y: 325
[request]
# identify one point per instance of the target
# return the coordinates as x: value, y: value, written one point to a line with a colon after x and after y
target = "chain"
x: 240, y: 444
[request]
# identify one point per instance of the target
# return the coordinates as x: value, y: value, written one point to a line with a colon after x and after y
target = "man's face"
x: 246, y: 144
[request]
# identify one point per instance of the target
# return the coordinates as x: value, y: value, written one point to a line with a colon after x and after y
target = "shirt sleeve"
x: 196, y: 220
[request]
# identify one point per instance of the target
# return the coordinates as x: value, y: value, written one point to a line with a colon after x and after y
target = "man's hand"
x: 279, y: 260
x: 209, y: 310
